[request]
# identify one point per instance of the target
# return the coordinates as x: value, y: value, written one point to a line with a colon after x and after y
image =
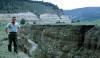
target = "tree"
x: 22, y: 21
x: 72, y: 21
x: 78, y: 20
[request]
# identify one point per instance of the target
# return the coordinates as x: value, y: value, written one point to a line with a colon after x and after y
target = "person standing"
x: 12, y: 30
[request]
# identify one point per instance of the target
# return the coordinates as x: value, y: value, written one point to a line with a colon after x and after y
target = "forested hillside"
x: 37, y: 7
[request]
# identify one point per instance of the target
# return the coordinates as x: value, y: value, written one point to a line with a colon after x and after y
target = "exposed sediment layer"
x: 65, y: 41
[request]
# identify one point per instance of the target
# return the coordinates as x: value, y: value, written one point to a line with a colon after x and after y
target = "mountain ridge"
x: 84, y: 14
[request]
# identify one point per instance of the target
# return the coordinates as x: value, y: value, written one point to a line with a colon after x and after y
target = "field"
x: 88, y: 23
x: 5, y: 21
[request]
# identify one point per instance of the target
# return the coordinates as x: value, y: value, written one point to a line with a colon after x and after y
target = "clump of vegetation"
x: 22, y: 21
x: 75, y: 21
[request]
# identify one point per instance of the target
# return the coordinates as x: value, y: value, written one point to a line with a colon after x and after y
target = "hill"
x: 33, y: 11
x: 37, y: 7
x: 84, y: 14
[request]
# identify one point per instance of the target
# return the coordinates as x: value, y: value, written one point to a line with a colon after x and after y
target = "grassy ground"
x: 88, y: 23
x: 5, y: 21
x: 4, y: 47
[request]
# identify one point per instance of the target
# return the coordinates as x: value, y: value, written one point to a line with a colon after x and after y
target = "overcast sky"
x: 73, y: 4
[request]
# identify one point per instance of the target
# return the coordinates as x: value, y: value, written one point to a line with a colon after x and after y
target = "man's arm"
x: 6, y: 30
x: 19, y: 30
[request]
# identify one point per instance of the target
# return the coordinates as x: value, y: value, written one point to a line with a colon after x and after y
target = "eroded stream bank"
x: 64, y: 41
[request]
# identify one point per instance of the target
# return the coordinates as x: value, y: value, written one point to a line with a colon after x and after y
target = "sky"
x: 73, y: 4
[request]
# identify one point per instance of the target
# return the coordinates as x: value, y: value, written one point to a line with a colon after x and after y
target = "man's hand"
x: 8, y: 33
x: 6, y: 30
x: 18, y: 33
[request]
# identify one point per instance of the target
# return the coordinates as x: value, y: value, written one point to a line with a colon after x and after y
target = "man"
x: 13, y: 29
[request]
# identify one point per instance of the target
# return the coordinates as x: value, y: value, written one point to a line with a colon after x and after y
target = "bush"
x: 22, y: 21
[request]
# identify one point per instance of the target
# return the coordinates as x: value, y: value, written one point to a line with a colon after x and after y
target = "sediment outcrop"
x: 65, y: 41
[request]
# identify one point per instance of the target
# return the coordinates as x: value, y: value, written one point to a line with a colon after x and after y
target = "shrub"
x: 22, y: 21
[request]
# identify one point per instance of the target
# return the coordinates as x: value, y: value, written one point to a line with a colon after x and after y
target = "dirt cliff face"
x: 65, y: 41
x: 92, y: 41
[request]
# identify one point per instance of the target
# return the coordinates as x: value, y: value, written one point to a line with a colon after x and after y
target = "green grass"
x: 88, y: 23
x: 7, y: 21
x: 1, y: 28
x: 4, y: 21
x: 2, y: 32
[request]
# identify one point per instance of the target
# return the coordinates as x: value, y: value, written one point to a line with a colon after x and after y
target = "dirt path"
x: 5, y: 54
